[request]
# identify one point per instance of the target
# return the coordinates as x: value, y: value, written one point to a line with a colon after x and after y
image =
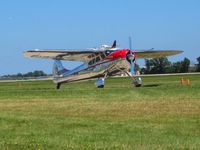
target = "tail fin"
x: 114, y: 44
x: 58, y: 69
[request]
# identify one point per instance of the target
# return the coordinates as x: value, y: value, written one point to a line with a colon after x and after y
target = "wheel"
x: 58, y: 86
x: 101, y: 86
x: 138, y: 85
x: 100, y: 83
x: 137, y: 82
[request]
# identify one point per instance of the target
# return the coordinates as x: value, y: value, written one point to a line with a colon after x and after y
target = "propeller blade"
x: 137, y: 81
x: 132, y: 68
x: 130, y: 43
x: 132, y: 61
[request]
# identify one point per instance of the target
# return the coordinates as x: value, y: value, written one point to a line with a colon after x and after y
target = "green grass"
x: 160, y: 115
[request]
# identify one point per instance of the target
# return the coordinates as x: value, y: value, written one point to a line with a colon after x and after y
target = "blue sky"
x: 72, y: 24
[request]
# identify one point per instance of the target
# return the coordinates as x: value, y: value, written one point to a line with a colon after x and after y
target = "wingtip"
x: 25, y: 53
x: 179, y: 51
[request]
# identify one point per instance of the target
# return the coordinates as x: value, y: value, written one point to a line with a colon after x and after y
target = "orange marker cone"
x: 182, y: 81
x: 188, y: 81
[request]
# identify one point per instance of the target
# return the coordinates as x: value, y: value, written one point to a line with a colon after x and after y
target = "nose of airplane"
x: 119, y: 54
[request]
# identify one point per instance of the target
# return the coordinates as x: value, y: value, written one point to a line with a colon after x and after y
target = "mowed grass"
x: 160, y: 115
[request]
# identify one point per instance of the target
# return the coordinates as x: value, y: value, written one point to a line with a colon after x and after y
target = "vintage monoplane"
x: 98, y: 63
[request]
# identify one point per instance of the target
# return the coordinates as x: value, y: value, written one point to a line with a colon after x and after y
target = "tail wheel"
x: 58, y: 86
x: 101, y: 86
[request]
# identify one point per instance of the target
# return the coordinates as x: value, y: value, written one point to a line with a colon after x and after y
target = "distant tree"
x: 19, y: 75
x: 38, y: 73
x: 163, y: 65
x: 157, y: 65
x: 198, y: 65
x: 181, y: 66
x: 176, y: 67
x: 185, y: 65
x: 148, y: 64
x: 35, y: 74
x: 29, y: 74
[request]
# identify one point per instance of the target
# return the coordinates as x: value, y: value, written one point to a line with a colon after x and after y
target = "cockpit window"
x: 107, y: 52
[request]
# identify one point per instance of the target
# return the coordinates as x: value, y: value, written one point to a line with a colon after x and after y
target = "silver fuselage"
x: 91, y: 72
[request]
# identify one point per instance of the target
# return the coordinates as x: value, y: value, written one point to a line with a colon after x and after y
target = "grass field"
x: 160, y: 115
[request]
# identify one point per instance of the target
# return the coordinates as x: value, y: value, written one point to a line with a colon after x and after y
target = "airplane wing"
x: 87, y: 55
x: 156, y: 53
x: 71, y: 55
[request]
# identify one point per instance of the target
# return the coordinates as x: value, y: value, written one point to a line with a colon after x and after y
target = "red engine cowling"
x: 130, y: 56
x: 119, y: 54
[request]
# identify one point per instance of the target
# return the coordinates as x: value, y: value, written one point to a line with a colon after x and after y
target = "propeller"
x: 131, y: 58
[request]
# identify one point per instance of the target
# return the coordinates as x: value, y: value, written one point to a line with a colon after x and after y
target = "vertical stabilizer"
x: 58, y: 69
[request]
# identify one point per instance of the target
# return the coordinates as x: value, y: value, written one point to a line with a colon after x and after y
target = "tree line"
x: 37, y: 73
x: 163, y: 65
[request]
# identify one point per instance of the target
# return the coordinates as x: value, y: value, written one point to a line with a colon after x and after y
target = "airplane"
x: 98, y: 63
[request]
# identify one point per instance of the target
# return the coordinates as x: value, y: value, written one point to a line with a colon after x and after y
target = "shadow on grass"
x: 151, y: 85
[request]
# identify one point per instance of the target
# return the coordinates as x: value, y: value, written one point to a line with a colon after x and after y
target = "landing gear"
x: 101, y: 86
x: 58, y: 86
x: 137, y: 81
x: 100, y: 83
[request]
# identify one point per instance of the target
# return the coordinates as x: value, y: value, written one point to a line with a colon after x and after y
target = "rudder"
x: 58, y: 69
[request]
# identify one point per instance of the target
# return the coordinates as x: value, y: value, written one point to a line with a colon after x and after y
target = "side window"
x: 98, y: 59
x: 91, y: 62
